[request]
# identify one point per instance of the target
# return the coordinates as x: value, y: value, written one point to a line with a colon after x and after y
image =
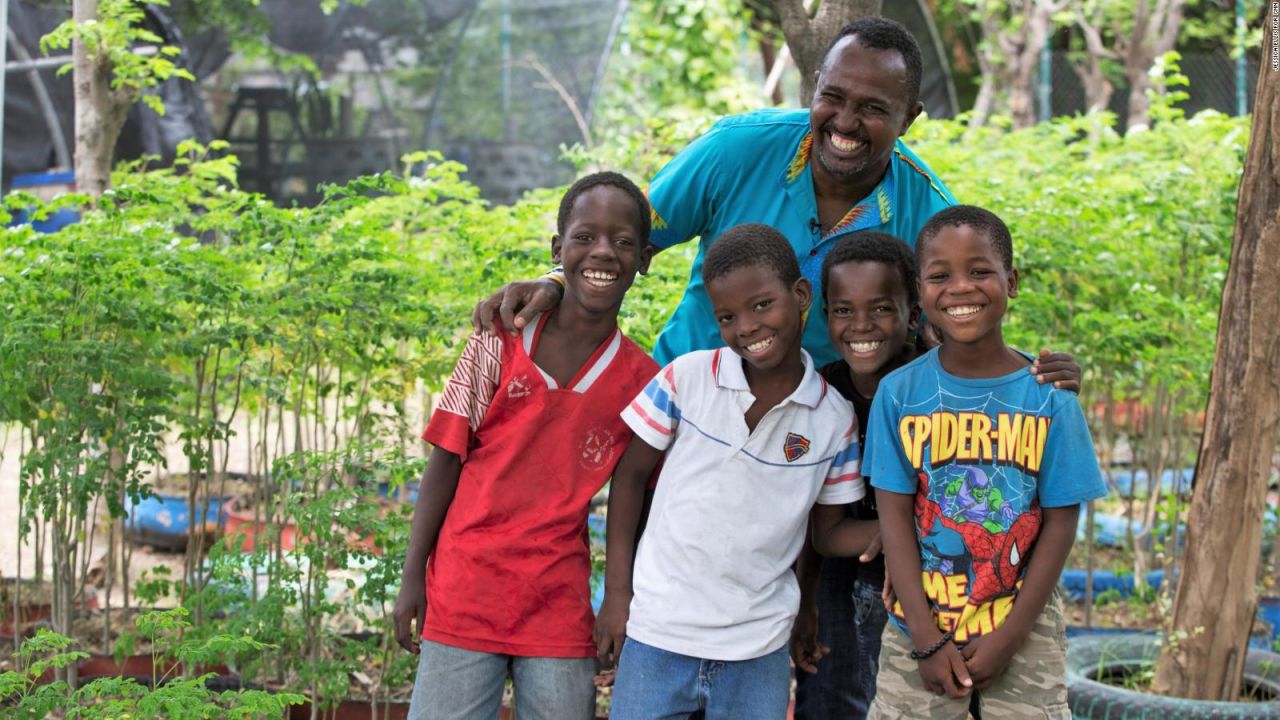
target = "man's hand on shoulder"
x: 516, y: 304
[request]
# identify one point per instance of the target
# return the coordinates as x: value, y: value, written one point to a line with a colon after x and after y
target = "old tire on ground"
x: 1115, y: 656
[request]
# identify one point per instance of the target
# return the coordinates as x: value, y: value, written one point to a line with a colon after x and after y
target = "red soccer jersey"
x: 511, y: 569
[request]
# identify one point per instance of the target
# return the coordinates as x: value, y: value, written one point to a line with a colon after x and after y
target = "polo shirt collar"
x: 727, y: 367
x: 877, y: 209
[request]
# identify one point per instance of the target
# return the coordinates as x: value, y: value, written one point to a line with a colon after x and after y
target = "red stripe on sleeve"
x: 847, y: 477
x: 639, y: 411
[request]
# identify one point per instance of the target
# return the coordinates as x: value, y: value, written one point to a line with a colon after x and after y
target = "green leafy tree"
x: 115, y: 61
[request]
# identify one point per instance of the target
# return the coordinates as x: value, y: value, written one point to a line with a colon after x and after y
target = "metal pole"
x: 1046, y: 78
x: 4, y: 58
x: 29, y: 64
x: 1242, y: 65
x: 60, y: 149
x: 619, y: 14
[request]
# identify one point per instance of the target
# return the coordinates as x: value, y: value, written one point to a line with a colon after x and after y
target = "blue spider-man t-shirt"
x: 982, y: 456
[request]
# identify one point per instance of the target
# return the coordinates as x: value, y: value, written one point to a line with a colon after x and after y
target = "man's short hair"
x: 878, y: 33
x: 751, y: 245
x: 877, y: 247
x: 984, y: 222
x: 612, y: 179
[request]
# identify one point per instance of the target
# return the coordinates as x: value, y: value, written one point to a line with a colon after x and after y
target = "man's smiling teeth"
x: 963, y: 311
x: 599, y: 278
x: 865, y: 347
x: 760, y: 346
x: 844, y: 144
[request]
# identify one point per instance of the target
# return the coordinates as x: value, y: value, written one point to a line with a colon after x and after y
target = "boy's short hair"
x: 879, y: 33
x: 751, y: 245
x: 982, y: 221
x: 878, y: 247
x: 612, y: 179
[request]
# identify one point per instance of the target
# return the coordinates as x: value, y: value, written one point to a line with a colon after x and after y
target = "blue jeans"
x: 458, y: 684
x: 653, y: 684
x: 851, y: 619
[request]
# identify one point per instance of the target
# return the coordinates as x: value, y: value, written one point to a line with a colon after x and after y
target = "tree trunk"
x: 769, y: 56
x: 100, y: 111
x: 984, y: 103
x: 1008, y: 57
x: 1097, y: 88
x: 1139, y: 104
x: 1155, y: 32
x: 1031, y: 37
x: 808, y: 37
x: 1216, y: 596
x: 992, y: 54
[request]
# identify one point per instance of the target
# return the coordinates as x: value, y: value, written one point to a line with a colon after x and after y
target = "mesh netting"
x: 524, y: 80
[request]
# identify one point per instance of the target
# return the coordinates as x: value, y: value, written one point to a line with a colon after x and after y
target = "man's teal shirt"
x: 754, y: 168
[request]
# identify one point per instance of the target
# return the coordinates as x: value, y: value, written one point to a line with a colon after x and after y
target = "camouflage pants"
x: 1032, y: 686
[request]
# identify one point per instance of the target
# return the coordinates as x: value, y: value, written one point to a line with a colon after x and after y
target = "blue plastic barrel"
x: 1269, y: 610
x: 163, y: 522
x: 45, y: 185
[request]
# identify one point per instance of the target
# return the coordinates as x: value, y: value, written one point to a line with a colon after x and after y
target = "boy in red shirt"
x: 527, y: 431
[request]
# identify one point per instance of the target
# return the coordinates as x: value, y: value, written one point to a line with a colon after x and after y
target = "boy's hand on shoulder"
x: 410, y: 612
x: 1061, y: 369
x: 944, y: 673
x: 986, y: 656
x: 806, y: 651
x: 611, y: 628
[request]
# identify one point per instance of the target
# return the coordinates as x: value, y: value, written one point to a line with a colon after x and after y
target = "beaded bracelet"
x: 932, y: 649
x: 556, y: 275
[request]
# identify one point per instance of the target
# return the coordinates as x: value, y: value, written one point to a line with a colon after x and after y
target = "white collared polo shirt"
x: 713, y: 575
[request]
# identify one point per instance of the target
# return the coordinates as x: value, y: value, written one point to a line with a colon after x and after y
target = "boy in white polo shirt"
x: 753, y: 437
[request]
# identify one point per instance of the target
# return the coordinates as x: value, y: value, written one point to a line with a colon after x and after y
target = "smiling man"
x: 815, y: 175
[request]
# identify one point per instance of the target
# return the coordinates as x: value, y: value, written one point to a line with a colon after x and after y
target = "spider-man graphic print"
x: 982, y: 457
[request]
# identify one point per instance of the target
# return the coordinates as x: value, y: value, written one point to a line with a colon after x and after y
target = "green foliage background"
x: 1122, y: 243
x: 182, y: 303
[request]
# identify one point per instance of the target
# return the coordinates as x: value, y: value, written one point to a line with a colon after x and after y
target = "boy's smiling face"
x: 601, y: 248
x: 965, y: 286
x: 759, y: 315
x: 868, y: 314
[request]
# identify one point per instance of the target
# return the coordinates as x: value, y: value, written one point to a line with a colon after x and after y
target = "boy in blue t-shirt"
x: 979, y: 474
